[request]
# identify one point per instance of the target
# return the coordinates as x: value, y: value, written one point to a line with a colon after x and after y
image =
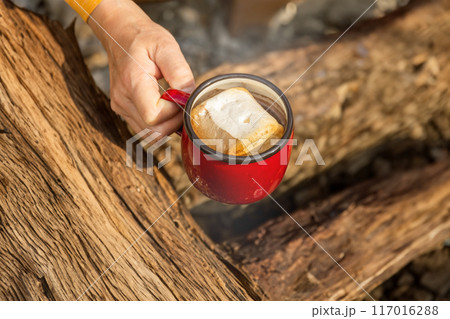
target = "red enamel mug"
x: 227, y: 178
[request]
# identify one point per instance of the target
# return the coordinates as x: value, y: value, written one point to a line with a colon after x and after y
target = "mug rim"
x: 235, y: 158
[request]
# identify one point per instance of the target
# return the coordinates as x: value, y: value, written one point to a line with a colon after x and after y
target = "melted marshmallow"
x: 237, y: 112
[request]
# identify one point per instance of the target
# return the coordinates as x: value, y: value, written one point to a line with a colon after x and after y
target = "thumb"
x: 151, y: 108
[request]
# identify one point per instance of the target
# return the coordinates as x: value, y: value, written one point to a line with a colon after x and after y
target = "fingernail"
x: 189, y: 88
x: 162, y: 103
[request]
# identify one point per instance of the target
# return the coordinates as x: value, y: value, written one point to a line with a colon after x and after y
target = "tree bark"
x: 372, y: 230
x: 69, y: 206
x: 383, y: 82
x: 377, y: 101
x: 376, y: 104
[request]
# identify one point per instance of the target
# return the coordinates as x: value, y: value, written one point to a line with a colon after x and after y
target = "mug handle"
x: 178, y: 97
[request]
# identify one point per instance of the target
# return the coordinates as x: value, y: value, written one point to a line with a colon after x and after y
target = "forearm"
x: 118, y: 21
x: 103, y: 8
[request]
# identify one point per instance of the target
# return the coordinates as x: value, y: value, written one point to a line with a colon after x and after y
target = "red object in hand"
x: 228, y: 178
x: 178, y: 97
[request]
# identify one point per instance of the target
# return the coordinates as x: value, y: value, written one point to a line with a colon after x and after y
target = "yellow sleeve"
x: 83, y: 7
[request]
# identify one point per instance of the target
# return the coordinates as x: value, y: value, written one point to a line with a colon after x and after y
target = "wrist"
x: 100, y: 18
x: 118, y: 20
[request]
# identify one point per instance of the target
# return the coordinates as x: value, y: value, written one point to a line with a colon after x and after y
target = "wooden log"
x: 378, y: 84
x: 372, y: 230
x: 379, y: 95
x: 69, y: 207
x: 252, y: 13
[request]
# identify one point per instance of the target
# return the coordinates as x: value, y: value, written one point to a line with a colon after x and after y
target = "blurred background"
x: 211, y: 32
x: 216, y: 32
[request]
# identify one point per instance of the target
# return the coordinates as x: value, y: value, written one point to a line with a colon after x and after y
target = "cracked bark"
x: 68, y: 205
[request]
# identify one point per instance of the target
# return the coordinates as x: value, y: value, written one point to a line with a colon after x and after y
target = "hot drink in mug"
x: 236, y: 137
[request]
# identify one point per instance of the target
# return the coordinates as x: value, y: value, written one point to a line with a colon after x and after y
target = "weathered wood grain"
x: 378, y: 96
x: 69, y: 207
x: 372, y: 230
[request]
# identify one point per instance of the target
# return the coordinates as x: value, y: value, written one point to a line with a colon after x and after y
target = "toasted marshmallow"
x: 237, y: 123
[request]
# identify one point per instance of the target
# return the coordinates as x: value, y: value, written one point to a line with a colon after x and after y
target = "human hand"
x: 140, y: 52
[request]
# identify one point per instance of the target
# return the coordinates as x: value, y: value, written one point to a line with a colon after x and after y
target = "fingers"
x: 131, y: 115
x: 133, y: 125
x: 174, y: 68
x: 165, y: 128
x: 142, y: 89
x: 155, y: 56
x: 145, y: 96
x: 170, y: 126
